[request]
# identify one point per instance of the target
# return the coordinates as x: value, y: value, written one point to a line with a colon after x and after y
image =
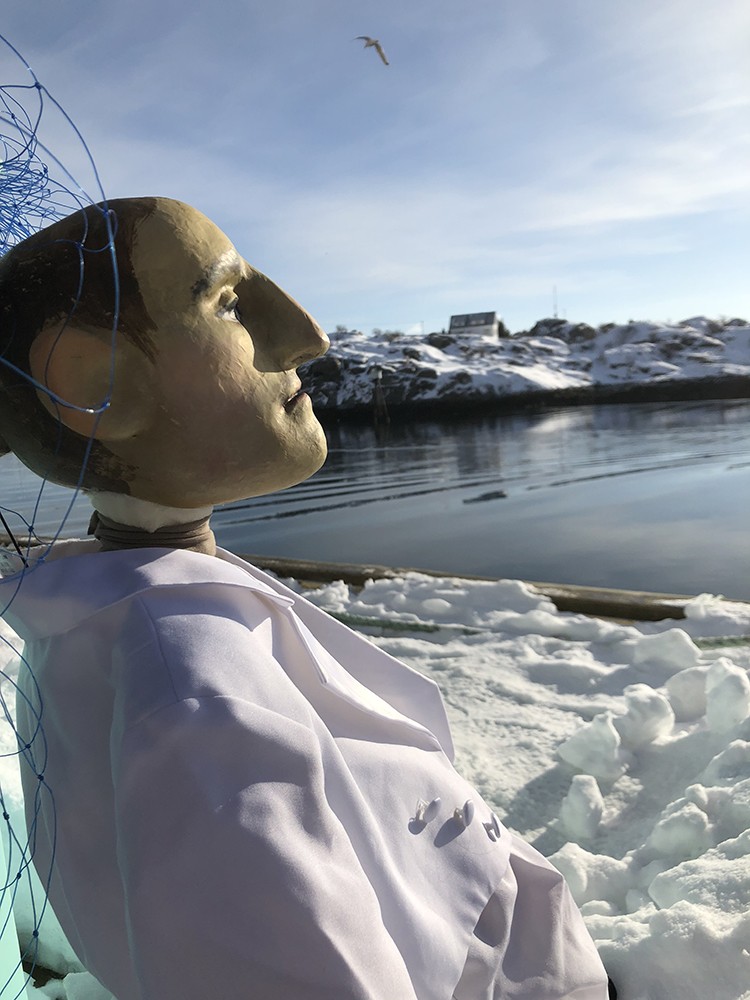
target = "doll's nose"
x: 306, y: 341
x: 289, y: 334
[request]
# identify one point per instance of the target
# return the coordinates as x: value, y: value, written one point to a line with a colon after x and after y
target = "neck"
x: 125, y: 522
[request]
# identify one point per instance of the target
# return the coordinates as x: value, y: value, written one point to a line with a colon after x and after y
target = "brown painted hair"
x: 65, y: 274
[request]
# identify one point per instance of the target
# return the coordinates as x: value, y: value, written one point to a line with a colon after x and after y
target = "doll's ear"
x: 76, y: 366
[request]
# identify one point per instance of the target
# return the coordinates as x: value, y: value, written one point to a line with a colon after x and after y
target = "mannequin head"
x: 199, y: 374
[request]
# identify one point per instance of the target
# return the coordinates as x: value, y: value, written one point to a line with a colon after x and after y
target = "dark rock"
x: 326, y: 367
x: 704, y: 325
x: 578, y: 333
x: 440, y: 340
x: 322, y: 378
x: 423, y: 383
x: 551, y: 327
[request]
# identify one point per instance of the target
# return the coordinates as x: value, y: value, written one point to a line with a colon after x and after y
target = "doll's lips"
x: 295, y: 398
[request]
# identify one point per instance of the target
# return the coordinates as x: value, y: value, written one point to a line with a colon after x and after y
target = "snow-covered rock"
x: 553, y: 357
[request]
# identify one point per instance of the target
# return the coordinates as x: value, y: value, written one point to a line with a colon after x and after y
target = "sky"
x: 585, y: 156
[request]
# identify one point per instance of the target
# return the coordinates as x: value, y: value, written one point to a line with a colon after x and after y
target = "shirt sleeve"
x: 239, y: 879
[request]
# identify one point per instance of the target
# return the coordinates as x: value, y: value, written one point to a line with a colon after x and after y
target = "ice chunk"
x: 734, y: 809
x: 727, y: 696
x: 648, y: 873
x: 595, y: 749
x: 708, y: 615
x: 720, y: 879
x: 699, y: 795
x: 436, y: 606
x: 703, y: 606
x: 581, y: 809
x: 599, y: 907
x: 648, y: 715
x: 593, y: 876
x: 699, y: 949
x: 671, y: 651
x: 682, y: 831
x: 732, y: 763
x: 636, y: 900
x: 687, y: 693
x: 537, y: 622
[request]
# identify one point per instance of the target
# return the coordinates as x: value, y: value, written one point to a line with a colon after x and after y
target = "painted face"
x: 228, y: 418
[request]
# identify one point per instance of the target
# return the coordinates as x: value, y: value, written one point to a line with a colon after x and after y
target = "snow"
x: 581, y: 809
x: 554, y: 355
x: 620, y: 751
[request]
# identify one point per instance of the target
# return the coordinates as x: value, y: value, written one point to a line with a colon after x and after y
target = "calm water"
x: 653, y: 496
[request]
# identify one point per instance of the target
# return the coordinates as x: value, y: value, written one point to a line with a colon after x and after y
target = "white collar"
x: 144, y: 514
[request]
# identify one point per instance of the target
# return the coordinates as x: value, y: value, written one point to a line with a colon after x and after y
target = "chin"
x: 313, y: 459
x: 313, y: 451
x: 291, y: 466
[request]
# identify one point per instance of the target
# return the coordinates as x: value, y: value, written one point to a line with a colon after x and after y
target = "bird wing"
x: 365, y: 38
x: 379, y: 50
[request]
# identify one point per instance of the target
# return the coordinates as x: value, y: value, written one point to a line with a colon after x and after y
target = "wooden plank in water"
x: 603, y: 602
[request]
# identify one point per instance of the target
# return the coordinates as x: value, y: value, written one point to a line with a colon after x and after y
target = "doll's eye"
x: 231, y: 310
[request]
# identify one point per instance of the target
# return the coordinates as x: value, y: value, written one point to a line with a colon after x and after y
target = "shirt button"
x: 426, y: 811
x: 464, y: 814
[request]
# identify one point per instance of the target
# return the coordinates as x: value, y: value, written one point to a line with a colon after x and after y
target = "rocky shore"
x: 554, y: 363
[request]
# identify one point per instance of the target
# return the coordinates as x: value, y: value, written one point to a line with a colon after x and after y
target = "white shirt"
x: 236, y: 778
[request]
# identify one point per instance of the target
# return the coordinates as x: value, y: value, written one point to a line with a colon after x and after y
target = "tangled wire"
x: 30, y: 197
x: 36, y: 189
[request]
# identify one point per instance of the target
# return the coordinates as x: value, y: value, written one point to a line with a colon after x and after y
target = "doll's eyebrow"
x: 230, y: 264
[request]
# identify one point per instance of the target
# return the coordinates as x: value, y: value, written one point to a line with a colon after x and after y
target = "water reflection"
x: 646, y: 496
x: 649, y: 496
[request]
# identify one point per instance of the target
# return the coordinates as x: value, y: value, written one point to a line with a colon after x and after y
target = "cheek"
x: 232, y: 380
x: 210, y: 382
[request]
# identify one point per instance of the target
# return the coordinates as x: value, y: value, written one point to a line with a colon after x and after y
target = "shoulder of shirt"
x: 64, y: 584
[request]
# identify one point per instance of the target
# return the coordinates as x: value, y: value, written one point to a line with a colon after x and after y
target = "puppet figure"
x: 251, y: 799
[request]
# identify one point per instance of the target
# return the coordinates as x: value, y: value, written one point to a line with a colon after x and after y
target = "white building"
x: 483, y: 324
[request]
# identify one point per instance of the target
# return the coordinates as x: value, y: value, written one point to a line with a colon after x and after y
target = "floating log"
x: 603, y: 602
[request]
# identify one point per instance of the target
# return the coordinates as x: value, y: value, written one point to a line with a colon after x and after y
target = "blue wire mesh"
x: 36, y: 189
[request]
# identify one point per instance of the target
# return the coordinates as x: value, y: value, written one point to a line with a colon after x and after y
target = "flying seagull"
x: 373, y: 43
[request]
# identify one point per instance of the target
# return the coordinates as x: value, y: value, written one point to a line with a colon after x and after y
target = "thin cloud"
x: 507, y: 145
